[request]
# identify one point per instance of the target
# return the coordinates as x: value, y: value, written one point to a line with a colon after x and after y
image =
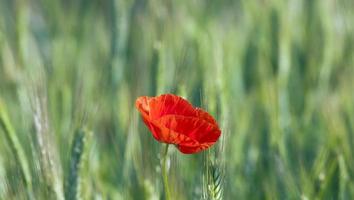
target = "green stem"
x: 164, y: 173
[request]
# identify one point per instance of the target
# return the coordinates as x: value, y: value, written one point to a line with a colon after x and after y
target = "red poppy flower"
x: 173, y: 120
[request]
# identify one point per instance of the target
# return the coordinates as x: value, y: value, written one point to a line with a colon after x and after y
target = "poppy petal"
x: 168, y: 104
x: 190, y: 150
x: 195, y: 128
x: 194, y: 149
x: 200, y: 113
x: 142, y: 104
x: 163, y: 134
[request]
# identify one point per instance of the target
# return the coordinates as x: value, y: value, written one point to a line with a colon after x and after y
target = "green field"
x: 278, y: 75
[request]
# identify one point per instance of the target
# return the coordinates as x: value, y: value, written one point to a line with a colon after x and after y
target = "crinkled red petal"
x: 169, y: 104
x: 166, y: 135
x: 195, y: 128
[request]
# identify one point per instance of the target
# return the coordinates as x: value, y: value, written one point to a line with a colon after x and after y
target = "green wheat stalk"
x: 50, y: 164
x: 213, y: 180
x: 216, y: 183
x: 77, y: 149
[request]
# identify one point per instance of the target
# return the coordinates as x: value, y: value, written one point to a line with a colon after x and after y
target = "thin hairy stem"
x: 165, y: 173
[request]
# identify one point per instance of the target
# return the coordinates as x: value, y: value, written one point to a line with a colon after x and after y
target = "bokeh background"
x: 278, y: 75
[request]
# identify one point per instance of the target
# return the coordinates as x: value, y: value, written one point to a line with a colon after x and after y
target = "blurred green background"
x: 277, y: 75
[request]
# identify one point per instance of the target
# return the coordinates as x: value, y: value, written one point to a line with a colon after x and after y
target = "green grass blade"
x: 15, y: 146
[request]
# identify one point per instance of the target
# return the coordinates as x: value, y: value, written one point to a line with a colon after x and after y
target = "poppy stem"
x: 165, y: 173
